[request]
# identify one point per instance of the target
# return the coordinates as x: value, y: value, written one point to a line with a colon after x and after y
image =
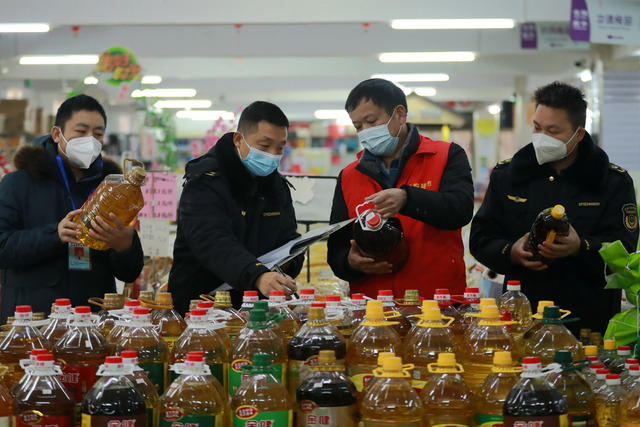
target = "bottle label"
x: 170, y: 341
x: 582, y: 420
x: 311, y: 415
x: 249, y: 416
x: 236, y: 374
x: 78, y: 379
x: 487, y: 420
x: 34, y: 418
x: 360, y: 375
x: 155, y: 372
x: 114, y: 421
x: 174, y: 417
x: 551, y: 421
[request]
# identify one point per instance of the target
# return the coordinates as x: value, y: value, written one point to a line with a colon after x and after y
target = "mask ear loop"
x: 570, y: 139
x: 391, y: 118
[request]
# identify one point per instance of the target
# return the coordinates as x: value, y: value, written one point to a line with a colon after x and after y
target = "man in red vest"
x: 426, y: 184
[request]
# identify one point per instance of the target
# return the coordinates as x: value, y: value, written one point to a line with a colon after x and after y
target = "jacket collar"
x: 589, y: 169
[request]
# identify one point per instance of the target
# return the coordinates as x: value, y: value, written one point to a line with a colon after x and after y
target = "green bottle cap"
x: 563, y: 357
x: 257, y: 315
x: 263, y: 304
x: 551, y: 312
x: 261, y: 360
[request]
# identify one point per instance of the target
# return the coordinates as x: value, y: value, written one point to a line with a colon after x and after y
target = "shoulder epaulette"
x: 502, y: 163
x: 211, y: 173
x: 617, y: 168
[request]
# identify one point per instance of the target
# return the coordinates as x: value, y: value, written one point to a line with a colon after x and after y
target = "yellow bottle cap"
x: 374, y: 311
x: 316, y: 313
x: 591, y: 350
x: 609, y: 344
x: 502, y: 358
x: 429, y: 304
x: 487, y: 301
x: 383, y: 356
x: 557, y: 212
x: 432, y: 315
x: 543, y: 304
x: 326, y: 357
x: 446, y: 359
x: 392, y: 364
x: 489, y: 312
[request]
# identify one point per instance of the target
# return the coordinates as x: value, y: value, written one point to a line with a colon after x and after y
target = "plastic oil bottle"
x: 215, y: 318
x: 307, y: 296
x: 121, y: 325
x: 24, y: 364
x: 536, y: 321
x: 144, y: 386
x: 235, y: 321
x: 18, y: 343
x: 256, y: 337
x: 494, y: 390
x: 195, y: 398
x: 608, y: 353
x: 277, y: 305
x: 443, y: 297
x: 630, y: 408
x: 575, y: 389
x: 114, y: 400
x: 481, y: 342
x: 533, y: 401
x: 632, y: 377
x: 409, y: 306
x: 338, y: 315
x: 381, y: 358
x: 601, y: 380
x: 617, y: 365
x: 609, y: 402
x: 590, y: 373
x: 248, y: 298
x: 553, y: 336
x: 168, y: 322
x: 428, y: 338
x: 373, y: 336
x: 303, y: 349
x: 518, y: 306
x: 58, y: 320
x: 6, y: 405
x: 403, y: 325
x: 202, y: 335
x: 446, y: 397
x: 274, y: 322
x: 327, y: 397
x: 80, y: 352
x: 549, y: 224
x: 470, y: 305
x: 152, y: 351
x: 390, y: 400
x: 106, y: 318
x: 261, y: 399
x: 359, y: 309
x: 119, y: 194
x: 44, y: 400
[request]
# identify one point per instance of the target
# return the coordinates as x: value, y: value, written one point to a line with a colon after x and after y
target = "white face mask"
x: 550, y: 149
x: 83, y: 151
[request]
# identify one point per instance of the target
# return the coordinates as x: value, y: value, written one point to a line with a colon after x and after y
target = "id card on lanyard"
x: 79, y: 255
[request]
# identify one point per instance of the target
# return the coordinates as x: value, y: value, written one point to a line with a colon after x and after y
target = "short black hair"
x: 259, y: 111
x: 381, y: 92
x: 78, y: 103
x: 565, y: 97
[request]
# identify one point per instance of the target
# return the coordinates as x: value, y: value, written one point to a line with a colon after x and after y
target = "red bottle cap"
x: 334, y: 298
x: 195, y: 357
x: 613, y: 377
x: 199, y: 312
x: 205, y: 304
x: 602, y: 372
x: 23, y: 309
x: 631, y: 361
x: 472, y: 290
x: 38, y: 351
x: 596, y: 366
x: 132, y: 303
x: 250, y: 293
x: 357, y: 296
x: 592, y: 359
x: 634, y: 368
x: 83, y: 309
x: 141, y: 311
x: 530, y: 360
x: 61, y: 302
x: 45, y: 358
x: 276, y: 293
x: 307, y: 292
x: 113, y: 360
x: 319, y: 304
x: 129, y: 354
x: 373, y: 219
x: 442, y: 291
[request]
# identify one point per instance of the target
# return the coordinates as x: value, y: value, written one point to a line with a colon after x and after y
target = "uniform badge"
x: 630, y: 212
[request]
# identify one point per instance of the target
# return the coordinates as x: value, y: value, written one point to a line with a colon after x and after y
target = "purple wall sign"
x: 528, y: 35
x: 579, y: 29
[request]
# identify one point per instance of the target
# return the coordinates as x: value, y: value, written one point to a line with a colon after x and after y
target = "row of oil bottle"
x: 230, y: 342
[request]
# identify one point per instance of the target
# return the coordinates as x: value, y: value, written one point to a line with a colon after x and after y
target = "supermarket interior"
x: 254, y: 200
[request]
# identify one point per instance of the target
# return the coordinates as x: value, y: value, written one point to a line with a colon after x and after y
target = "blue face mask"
x: 259, y: 162
x: 378, y: 140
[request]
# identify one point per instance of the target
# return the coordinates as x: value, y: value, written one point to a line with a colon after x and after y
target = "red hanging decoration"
x: 366, y: 26
x: 75, y: 29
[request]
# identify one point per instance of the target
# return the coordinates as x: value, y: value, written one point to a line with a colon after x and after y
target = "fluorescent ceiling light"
x: 427, y: 57
x: 24, y: 28
x: 91, y: 80
x: 163, y: 93
x: 183, y: 103
x: 205, y: 115
x: 425, y: 91
x: 151, y: 80
x: 452, y: 24
x: 419, y: 77
x: 331, y: 115
x: 585, y: 76
x: 59, y: 60
x: 494, y: 109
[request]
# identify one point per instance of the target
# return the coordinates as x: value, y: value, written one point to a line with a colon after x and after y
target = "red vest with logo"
x: 436, y: 256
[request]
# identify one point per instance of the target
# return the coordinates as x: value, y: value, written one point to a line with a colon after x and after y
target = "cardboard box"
x: 14, y: 112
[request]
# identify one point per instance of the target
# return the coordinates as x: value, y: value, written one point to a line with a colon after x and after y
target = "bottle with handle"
x: 550, y: 223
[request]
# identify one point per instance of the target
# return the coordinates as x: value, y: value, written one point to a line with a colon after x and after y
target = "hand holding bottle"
x: 521, y: 256
x: 389, y: 202
x: 360, y: 261
x: 119, y: 237
x: 562, y: 247
x: 67, y: 229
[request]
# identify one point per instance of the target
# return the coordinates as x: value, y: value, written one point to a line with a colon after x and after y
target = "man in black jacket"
x: 562, y: 166
x: 40, y: 256
x: 235, y: 207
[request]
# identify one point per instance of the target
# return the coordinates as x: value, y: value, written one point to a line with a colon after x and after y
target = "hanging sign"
x: 611, y: 21
x: 119, y: 65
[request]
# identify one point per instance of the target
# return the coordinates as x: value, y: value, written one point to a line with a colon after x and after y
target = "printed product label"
x: 486, y: 420
x: 553, y: 421
x: 249, y: 416
x: 175, y: 418
x: 33, y: 418
x: 360, y: 375
x: 114, y: 421
x: 155, y: 372
x: 78, y: 379
x: 170, y: 341
x: 582, y: 420
x: 236, y: 373
x: 311, y: 415
x: 6, y: 421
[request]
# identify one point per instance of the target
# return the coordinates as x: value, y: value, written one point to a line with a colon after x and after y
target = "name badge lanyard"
x: 66, y: 181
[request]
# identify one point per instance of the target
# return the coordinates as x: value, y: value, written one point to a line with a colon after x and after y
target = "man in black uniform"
x: 563, y: 166
x: 235, y: 207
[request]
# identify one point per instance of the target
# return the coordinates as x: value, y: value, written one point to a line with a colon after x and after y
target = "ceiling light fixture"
x: 151, y: 80
x: 494, y: 109
x: 91, y: 80
x: 331, y: 115
x: 585, y: 76
x: 205, y: 115
x: 452, y: 24
x: 417, y: 77
x: 24, y: 28
x: 427, y: 57
x: 185, y: 104
x: 59, y: 60
x: 163, y: 93
x: 425, y: 91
